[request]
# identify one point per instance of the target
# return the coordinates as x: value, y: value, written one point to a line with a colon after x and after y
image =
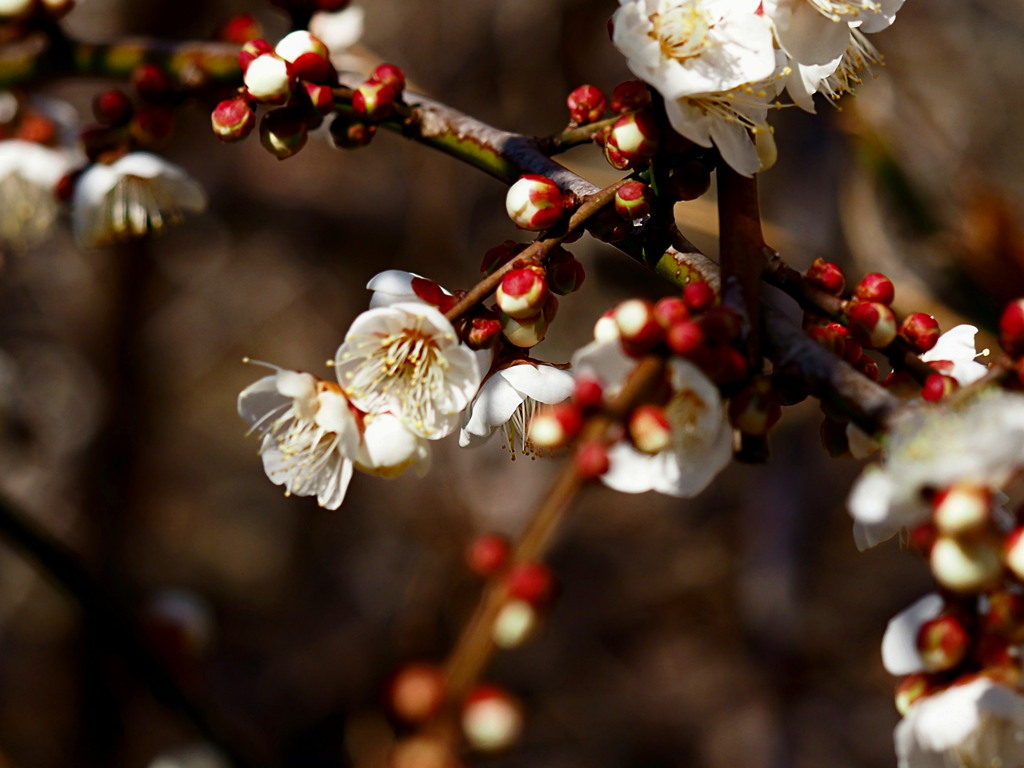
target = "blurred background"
x: 739, y: 627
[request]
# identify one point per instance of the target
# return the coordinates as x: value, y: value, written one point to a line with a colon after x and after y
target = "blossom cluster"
x: 720, y: 65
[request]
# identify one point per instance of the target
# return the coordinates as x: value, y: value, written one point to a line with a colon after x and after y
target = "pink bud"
x: 937, y: 387
x: 826, y: 276
x: 630, y: 95
x: 374, y: 101
x: 151, y: 125
x: 685, y: 338
x: 233, y: 119
x: 283, y: 132
x: 721, y: 325
x: 565, y: 273
x: 269, y: 79
x: 251, y: 50
x: 1005, y: 615
x: 875, y: 287
x: 649, y: 429
x: 112, y: 107
x: 920, y: 331
x: 962, y: 508
x: 965, y: 566
x: 535, y: 203
x: 321, y: 98
x: 491, y: 719
x: 698, y: 296
x: 633, y: 200
x: 591, y: 460
x: 530, y: 582
x: 942, y: 643
x: 671, y: 310
x: 586, y: 104
x: 308, y: 56
x: 487, y: 554
x: 639, y: 329
x: 634, y: 137
x: 556, y: 426
x: 588, y: 394
x: 483, y: 332
x: 828, y: 337
x: 866, y: 364
x: 522, y: 292
x: 417, y: 692
x: 873, y: 324
x: 389, y: 74
x: 1011, y: 328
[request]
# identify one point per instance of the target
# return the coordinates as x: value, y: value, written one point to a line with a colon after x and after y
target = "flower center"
x: 859, y: 56
x: 684, y: 411
x: 682, y: 31
x: 840, y: 10
x: 518, y: 428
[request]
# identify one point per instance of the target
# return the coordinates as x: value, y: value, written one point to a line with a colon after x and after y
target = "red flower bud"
x: 942, y: 643
x: 565, y: 273
x: 588, y: 394
x: 671, y: 310
x: 374, y: 101
x: 962, y: 508
x: 233, y: 119
x: 591, y: 460
x: 920, y: 331
x: 875, y: 287
x: 483, y: 332
x: 239, y: 29
x: 269, y: 79
x: 417, y: 692
x: 500, y: 255
x: 649, y: 429
x: 491, y: 719
x: 151, y: 82
x: 389, y: 74
x: 522, y: 292
x: 535, y: 203
x: 348, y: 132
x: 634, y: 139
x: 873, y: 324
x: 639, y: 329
x: 866, y: 364
x: 1011, y: 328
x: 937, y: 387
x: 756, y: 409
x: 633, y: 200
x: 586, y: 104
x: 630, y: 95
x: 530, y: 582
x: 151, y: 125
x: 826, y: 276
x: 698, y: 296
x: 556, y: 426
x: 112, y: 107
x: 487, y: 554
x: 685, y: 338
x: 251, y: 50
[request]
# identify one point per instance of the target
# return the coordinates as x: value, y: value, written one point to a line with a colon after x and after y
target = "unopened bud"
x: 499, y: 256
x: 374, y: 101
x: 937, y: 387
x: 308, y: 56
x: 321, y: 98
x: 866, y: 364
x: 112, y: 107
x: 639, y: 329
x: 151, y: 82
x: 698, y: 296
x: 829, y: 337
x: 873, y: 324
x: 649, y: 429
x: 1005, y: 615
x: 487, y: 554
x: 491, y: 719
x: 522, y: 292
x: 826, y: 276
x: 633, y: 200
x: 233, y: 119
x: 721, y: 325
x: 535, y: 203
x: 875, y: 287
x: 962, y: 508
x: 515, y: 623
x: 251, y: 50
x: 586, y: 104
x: 605, y: 328
x: 671, y: 310
x: 591, y: 460
x: 391, y: 75
x: 556, y: 425
x: 269, y: 79
x: 1011, y: 328
x: 530, y: 331
x: 686, y: 338
x: 911, y: 688
x: 756, y: 409
x: 588, y: 393
x: 283, y: 132
x: 634, y: 139
x: 942, y: 643
x: 630, y: 95
x: 239, y: 29
x: 964, y: 566
x: 349, y: 132
x: 565, y: 273
x: 920, y: 331
x: 609, y: 227
x: 417, y: 692
x: 530, y: 582
x: 483, y: 332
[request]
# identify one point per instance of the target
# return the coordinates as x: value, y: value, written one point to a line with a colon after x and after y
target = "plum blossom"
x: 930, y: 447
x: 406, y: 359
x: 979, y: 722
x: 134, y: 196
x: 395, y: 285
x: 29, y: 173
x: 388, y: 448
x: 956, y: 347
x: 900, y: 654
x: 310, y: 434
x: 339, y: 31
x: 701, y: 435
x: 508, y: 400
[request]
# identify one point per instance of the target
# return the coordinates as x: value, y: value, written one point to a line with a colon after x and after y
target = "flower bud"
x: 239, y: 29
x: 308, y: 56
x: 942, y: 643
x: 233, y: 119
x: 591, y: 460
x: 491, y: 719
x: 321, y: 98
x: 151, y: 82
x: 483, y: 332
x: 671, y: 310
x: 609, y: 227
x: 417, y: 692
x: 283, y: 132
x: 830, y: 337
x: 911, y: 688
x: 920, y: 331
x: 826, y: 276
x: 866, y: 364
x: 349, y: 132
x: 500, y: 255
x: 937, y: 387
x: 586, y: 104
x: 565, y: 273
x: 639, y: 329
x: 649, y: 429
x: 151, y: 125
x: 522, y: 292
x: 1013, y: 552
x: 873, y: 324
x: 528, y: 331
x: 875, y: 287
x: 112, y: 107
x: 1005, y: 615
x: 633, y: 200
x: 685, y: 338
x: 487, y: 554
x: 251, y: 50
x: 630, y: 95
x: 556, y: 425
x: 515, y: 623
x: 605, y: 328
x: 374, y: 101
x: 962, y: 508
x: 698, y: 296
x: 921, y: 539
x: 964, y: 566
x: 269, y: 79
x: 535, y: 203
x: 1011, y: 328
x: 531, y: 582
x: 633, y: 139
x: 389, y: 74
x: 756, y: 409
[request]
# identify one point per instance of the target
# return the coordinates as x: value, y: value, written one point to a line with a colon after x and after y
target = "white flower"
x: 388, y: 448
x: 310, y: 434
x: 974, y: 725
x: 818, y: 31
x: 133, y: 196
x: 339, y: 31
x: 931, y: 447
x: 406, y: 359
x: 956, y: 346
x: 509, y: 398
x: 29, y: 173
x: 684, y: 47
x: 900, y: 654
x: 701, y: 436
x: 395, y: 285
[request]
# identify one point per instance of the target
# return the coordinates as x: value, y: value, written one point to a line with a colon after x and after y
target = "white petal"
x: 900, y: 655
x: 630, y: 471
x: 260, y: 398
x: 543, y: 383
x: 493, y: 406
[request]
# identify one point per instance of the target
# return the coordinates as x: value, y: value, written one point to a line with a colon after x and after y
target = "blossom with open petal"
x: 29, y: 173
x: 701, y: 435
x: 900, y: 653
x: 394, y: 286
x: 339, y: 31
x: 956, y: 346
x: 508, y: 400
x: 388, y: 447
x: 310, y: 434
x: 406, y: 359
x: 976, y: 722
x: 134, y: 196
x: 930, y: 447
